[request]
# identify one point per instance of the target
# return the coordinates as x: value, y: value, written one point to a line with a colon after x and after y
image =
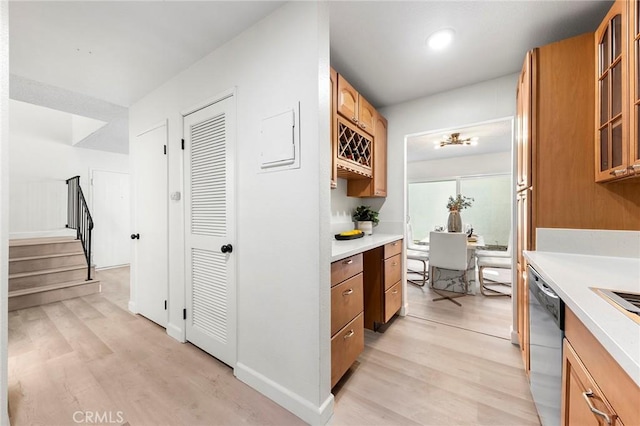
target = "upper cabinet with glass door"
x: 612, y: 123
x: 634, y: 76
x: 617, y: 102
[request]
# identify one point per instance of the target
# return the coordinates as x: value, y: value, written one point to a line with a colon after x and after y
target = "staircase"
x: 45, y: 270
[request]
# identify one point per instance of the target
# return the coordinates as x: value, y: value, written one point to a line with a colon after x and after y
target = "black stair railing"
x: 79, y: 218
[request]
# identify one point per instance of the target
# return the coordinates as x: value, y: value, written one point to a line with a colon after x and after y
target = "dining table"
x: 449, y: 280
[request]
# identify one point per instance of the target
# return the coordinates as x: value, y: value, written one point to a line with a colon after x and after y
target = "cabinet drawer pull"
x: 394, y: 292
x: 355, y: 120
x: 634, y: 167
x: 394, y: 244
x: 394, y: 264
x: 362, y: 126
x: 587, y: 397
x: 618, y: 172
x: 347, y: 292
x: 349, y: 334
x: 348, y: 262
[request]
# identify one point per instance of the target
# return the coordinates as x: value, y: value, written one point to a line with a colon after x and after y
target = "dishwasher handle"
x: 546, y: 290
x: 541, y: 284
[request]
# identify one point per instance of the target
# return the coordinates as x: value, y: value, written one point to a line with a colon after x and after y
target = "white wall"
x: 480, y: 102
x: 42, y: 158
x: 4, y: 204
x: 487, y: 164
x: 342, y: 208
x: 283, y: 255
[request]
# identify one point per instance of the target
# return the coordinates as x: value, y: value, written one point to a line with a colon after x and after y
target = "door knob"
x: 135, y: 236
x: 227, y: 248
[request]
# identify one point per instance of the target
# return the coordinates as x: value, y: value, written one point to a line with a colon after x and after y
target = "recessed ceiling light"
x: 440, y: 39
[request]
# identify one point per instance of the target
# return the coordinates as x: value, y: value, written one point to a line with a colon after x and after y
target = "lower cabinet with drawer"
x: 347, y: 316
x: 595, y: 389
x: 382, y: 284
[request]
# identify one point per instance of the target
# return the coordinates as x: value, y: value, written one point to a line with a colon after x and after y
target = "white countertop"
x: 343, y: 249
x: 571, y: 276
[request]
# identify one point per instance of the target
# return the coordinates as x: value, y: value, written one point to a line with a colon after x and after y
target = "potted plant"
x: 366, y: 218
x: 454, y: 224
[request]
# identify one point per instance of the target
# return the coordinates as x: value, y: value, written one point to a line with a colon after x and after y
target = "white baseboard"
x: 176, y: 332
x: 43, y: 234
x: 132, y: 307
x: 404, y: 310
x: 514, y: 336
x: 293, y: 402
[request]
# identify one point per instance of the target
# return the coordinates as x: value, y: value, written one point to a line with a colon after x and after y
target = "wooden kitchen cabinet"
x: 358, y: 141
x: 377, y: 185
x: 617, y: 146
x: 591, y: 376
x: 612, y: 115
x: 523, y: 242
x: 581, y: 394
x: 333, y: 90
x: 524, y: 110
x: 634, y: 85
x: 347, y: 316
x: 382, y: 284
x: 353, y: 106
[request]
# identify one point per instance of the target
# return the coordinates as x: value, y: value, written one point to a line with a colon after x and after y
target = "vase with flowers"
x: 454, y: 223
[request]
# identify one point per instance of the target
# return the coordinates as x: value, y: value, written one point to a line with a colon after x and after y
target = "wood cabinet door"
x: 347, y: 100
x: 524, y: 117
x: 380, y: 157
x: 346, y: 345
x: 333, y: 87
x: 523, y: 231
x: 366, y: 116
x: 634, y: 75
x: 346, y: 302
x: 392, y: 301
x: 582, y: 400
x: 612, y: 122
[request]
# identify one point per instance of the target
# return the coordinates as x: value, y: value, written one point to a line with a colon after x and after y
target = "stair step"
x: 43, y: 246
x: 44, y: 256
x: 33, y: 290
x: 46, y: 277
x: 45, y: 262
x: 35, y: 241
x: 47, y: 271
x: 26, y: 298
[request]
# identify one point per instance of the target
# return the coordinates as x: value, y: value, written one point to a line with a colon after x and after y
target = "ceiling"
x: 380, y: 47
x: 493, y: 137
x: 116, y: 52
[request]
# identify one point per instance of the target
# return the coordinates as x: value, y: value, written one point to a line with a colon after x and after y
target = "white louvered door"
x: 209, y: 201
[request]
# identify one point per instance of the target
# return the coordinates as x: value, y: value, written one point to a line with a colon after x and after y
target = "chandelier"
x: 454, y: 139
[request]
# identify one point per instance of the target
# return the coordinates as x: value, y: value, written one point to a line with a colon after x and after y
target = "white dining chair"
x: 448, y: 250
x: 418, y: 253
x: 494, y: 259
x: 493, y: 263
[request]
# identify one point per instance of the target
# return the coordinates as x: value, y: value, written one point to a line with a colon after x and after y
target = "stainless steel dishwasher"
x: 546, y: 331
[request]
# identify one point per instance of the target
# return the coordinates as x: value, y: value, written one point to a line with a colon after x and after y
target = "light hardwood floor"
x: 90, y: 354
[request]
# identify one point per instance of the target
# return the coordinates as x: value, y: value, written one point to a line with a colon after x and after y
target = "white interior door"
x: 150, y: 266
x: 111, y: 216
x: 210, y: 231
